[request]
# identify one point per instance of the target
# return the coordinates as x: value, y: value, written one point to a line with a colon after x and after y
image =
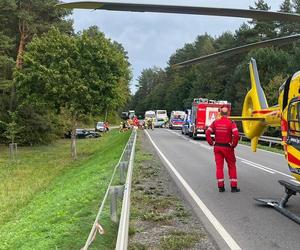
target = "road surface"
x: 235, y: 220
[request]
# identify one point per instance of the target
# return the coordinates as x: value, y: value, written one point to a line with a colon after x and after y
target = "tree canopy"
x: 75, y: 75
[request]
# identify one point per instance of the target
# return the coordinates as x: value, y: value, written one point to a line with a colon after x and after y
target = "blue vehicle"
x: 186, y: 127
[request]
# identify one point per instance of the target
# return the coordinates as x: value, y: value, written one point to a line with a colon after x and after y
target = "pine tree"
x: 262, y: 28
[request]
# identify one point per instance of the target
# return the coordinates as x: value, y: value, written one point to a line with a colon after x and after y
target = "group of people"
x: 129, y: 123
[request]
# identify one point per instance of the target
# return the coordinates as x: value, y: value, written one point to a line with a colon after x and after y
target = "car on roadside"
x: 100, y: 127
x: 83, y: 133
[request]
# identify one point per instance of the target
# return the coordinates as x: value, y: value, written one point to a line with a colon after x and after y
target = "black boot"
x: 221, y: 189
x: 235, y: 190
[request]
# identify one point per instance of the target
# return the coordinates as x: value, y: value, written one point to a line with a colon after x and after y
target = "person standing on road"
x: 226, y: 139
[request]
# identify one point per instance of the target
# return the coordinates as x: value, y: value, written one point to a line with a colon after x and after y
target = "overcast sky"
x: 151, y: 38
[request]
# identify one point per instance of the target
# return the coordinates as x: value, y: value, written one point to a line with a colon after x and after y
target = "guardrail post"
x: 115, y: 193
x: 270, y: 144
x: 123, y: 168
x: 127, y: 153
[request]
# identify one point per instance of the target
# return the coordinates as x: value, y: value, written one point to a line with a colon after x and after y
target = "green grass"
x: 49, y: 201
x: 178, y: 240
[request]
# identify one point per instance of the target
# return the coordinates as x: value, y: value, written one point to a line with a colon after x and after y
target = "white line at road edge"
x: 213, y: 220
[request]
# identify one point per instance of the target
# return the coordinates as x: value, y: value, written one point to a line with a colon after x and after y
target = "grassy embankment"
x: 49, y: 201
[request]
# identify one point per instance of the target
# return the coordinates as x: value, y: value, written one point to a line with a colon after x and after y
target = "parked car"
x: 100, y: 126
x: 83, y: 133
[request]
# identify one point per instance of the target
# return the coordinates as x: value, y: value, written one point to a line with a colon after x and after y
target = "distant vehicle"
x: 149, y: 114
x: 186, y: 127
x: 159, y: 123
x: 83, y: 133
x: 204, y: 112
x: 100, y: 127
x: 131, y: 114
x: 128, y: 114
x: 176, y: 119
x: 161, y: 118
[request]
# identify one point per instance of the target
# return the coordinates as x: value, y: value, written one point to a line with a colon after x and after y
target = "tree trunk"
x: 22, y: 44
x: 73, y: 141
x: 19, y: 61
x: 105, y: 115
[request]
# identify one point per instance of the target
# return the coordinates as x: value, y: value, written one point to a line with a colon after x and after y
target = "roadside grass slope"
x: 49, y: 201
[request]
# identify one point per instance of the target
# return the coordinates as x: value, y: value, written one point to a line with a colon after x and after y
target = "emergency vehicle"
x: 176, y: 119
x: 204, y: 112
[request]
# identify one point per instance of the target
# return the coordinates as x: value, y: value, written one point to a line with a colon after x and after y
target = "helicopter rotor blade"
x: 180, y: 9
x: 237, y: 50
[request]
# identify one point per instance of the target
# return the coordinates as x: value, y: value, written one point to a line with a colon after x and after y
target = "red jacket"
x: 225, y: 132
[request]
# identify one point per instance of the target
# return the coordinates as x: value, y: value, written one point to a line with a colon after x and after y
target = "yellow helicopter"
x: 285, y: 115
x: 256, y: 114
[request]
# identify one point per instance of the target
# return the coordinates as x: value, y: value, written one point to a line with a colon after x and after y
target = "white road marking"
x: 213, y: 220
x: 267, y: 168
x: 248, y: 163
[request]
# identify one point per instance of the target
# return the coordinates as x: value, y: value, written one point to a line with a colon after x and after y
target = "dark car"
x: 83, y: 133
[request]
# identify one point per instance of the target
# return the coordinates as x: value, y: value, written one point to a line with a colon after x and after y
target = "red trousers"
x: 226, y: 153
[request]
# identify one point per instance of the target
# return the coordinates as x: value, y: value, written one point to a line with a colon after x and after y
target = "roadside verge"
x: 160, y: 217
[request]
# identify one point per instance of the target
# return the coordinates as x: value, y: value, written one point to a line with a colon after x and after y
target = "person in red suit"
x: 226, y: 139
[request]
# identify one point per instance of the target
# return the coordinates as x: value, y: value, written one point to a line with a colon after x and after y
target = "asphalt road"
x: 234, y: 220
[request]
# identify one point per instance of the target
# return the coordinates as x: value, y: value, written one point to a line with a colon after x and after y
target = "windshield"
x: 178, y: 115
x: 149, y: 115
x: 100, y: 123
x: 161, y: 112
x: 294, y: 119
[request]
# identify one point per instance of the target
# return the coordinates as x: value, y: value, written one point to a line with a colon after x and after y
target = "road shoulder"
x: 160, y: 217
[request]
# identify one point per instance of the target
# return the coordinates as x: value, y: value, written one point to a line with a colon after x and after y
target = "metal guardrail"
x: 127, y: 156
x: 269, y: 139
x: 122, y: 240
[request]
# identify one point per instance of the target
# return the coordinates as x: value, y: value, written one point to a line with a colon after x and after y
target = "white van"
x: 161, y: 118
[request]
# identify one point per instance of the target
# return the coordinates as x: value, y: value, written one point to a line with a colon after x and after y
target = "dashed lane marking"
x: 254, y: 165
x: 213, y: 220
x: 262, y: 166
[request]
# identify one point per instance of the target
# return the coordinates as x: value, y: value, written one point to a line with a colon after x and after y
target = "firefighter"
x: 226, y: 139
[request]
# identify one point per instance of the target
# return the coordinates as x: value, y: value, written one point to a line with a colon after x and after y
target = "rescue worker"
x: 135, y: 122
x: 226, y: 139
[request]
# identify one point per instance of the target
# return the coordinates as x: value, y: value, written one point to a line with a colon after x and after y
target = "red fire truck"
x: 204, y: 112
